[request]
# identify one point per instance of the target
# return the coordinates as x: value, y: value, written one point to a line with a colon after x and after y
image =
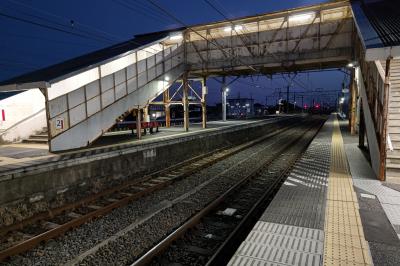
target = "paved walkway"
x: 379, y: 205
x: 331, y: 210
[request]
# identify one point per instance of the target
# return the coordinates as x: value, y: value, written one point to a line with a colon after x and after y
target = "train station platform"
x: 33, y: 181
x: 22, y: 156
x: 331, y: 210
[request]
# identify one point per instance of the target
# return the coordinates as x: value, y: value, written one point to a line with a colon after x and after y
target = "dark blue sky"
x: 25, y: 47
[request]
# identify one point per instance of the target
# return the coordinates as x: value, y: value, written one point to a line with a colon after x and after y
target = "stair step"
x: 393, y: 166
x: 392, y: 156
x: 30, y: 140
x: 39, y: 136
x: 394, y: 136
x: 392, y: 161
x: 395, y: 97
x: 395, y: 152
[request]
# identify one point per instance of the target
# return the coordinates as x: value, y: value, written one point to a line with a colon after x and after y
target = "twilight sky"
x: 99, y: 23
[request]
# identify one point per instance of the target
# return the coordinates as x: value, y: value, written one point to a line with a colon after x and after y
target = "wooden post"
x: 203, y: 102
x: 185, y: 102
x: 382, y: 168
x: 138, y: 124
x: 167, y: 108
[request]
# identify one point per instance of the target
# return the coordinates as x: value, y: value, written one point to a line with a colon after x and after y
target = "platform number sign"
x: 60, y: 123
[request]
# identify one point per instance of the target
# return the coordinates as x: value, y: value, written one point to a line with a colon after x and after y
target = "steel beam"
x: 146, y: 117
x: 185, y: 101
x: 353, y: 104
x: 383, y: 146
x: 203, y: 102
x: 167, y: 109
x: 223, y: 101
x: 361, y: 131
x: 138, y: 124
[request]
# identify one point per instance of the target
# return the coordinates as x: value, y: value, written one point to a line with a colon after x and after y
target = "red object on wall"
x: 3, y: 115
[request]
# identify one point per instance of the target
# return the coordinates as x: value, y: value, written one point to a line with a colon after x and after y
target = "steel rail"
x: 233, y: 241
x: 195, y: 219
x: 32, y: 242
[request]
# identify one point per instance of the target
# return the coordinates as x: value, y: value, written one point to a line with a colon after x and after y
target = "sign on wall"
x: 60, y: 123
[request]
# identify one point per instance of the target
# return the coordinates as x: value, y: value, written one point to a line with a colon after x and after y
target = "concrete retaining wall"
x: 49, y: 186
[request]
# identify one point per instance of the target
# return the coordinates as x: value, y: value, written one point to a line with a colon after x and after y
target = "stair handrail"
x: 380, y: 69
x: 21, y: 121
x: 389, y: 143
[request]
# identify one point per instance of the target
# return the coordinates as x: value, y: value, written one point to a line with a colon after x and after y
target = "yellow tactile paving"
x: 344, y: 236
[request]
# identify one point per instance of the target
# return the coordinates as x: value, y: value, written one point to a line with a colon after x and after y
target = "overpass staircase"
x: 393, y: 151
x: 41, y: 137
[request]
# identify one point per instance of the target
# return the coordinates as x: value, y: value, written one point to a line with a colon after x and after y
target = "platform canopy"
x: 84, y: 96
x: 378, y: 24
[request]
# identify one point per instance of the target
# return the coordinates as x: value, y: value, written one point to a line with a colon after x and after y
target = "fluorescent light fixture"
x: 301, y: 17
x: 228, y: 29
x: 238, y: 27
x: 176, y: 37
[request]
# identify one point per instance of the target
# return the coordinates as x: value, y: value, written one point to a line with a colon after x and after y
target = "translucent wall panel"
x: 77, y: 114
x: 76, y: 97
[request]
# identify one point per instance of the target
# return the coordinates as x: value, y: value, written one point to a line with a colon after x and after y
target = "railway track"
x: 27, y: 234
x: 212, y: 235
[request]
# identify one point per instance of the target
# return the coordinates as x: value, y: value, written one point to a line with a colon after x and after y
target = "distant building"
x: 240, y: 107
x: 260, y: 109
x: 156, y: 111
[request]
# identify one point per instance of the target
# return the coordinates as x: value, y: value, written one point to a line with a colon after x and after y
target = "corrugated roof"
x: 85, y: 61
x: 378, y: 22
x: 384, y: 16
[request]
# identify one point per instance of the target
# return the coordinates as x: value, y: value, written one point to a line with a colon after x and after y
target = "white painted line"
x: 368, y: 196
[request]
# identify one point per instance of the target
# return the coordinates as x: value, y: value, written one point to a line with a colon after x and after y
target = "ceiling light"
x: 166, y: 78
x: 228, y: 29
x: 238, y: 27
x: 301, y: 17
x: 176, y: 37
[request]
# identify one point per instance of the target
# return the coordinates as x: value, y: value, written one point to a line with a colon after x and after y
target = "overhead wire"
x: 192, y: 30
x: 104, y: 35
x: 45, y: 26
x: 138, y: 10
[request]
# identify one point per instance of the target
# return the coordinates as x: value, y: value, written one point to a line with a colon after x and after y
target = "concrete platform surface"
x: 331, y: 210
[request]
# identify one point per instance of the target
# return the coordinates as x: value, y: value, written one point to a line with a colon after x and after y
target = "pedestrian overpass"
x: 84, y: 96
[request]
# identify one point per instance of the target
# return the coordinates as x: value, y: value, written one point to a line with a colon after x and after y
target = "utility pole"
x: 302, y: 103
x: 279, y: 101
x: 294, y: 101
x: 287, y: 98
